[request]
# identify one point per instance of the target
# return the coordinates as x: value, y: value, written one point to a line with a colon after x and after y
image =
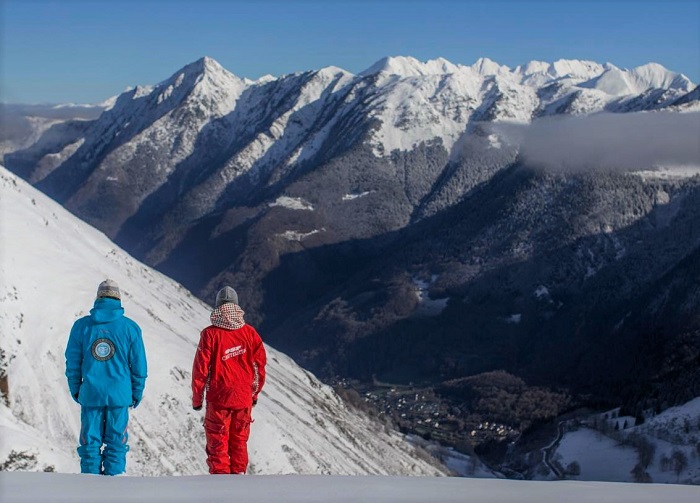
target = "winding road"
x: 549, y: 450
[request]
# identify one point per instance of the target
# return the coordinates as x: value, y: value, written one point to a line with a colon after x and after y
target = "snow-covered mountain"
x: 50, y: 265
x: 204, y: 139
x: 163, y: 159
x: 330, y: 199
x: 204, y: 136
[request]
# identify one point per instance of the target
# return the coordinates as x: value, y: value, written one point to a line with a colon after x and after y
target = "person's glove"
x: 75, y: 396
x: 255, y: 402
x: 135, y: 401
x: 197, y: 407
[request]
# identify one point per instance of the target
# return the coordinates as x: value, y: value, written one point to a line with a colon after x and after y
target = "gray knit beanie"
x: 109, y: 288
x: 226, y: 294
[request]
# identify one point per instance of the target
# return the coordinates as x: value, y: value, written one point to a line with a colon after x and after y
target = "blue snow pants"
x: 103, y: 426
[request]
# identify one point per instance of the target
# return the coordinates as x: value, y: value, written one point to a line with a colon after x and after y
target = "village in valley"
x: 420, y: 411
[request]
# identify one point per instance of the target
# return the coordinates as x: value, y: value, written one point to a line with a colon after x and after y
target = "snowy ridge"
x: 615, y: 81
x: 540, y: 73
x: 292, y: 128
x: 207, y: 79
x: 425, y: 94
x: 51, y: 264
x: 211, y: 134
x: 486, y: 66
x: 406, y: 66
x: 158, y: 126
x: 436, y: 100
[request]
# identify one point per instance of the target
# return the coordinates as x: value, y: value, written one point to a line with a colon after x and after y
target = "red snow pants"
x: 227, y: 432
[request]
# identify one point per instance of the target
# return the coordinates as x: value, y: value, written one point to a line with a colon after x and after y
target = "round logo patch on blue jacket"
x: 103, y: 349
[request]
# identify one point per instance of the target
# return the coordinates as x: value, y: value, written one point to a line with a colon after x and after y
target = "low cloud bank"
x: 622, y: 142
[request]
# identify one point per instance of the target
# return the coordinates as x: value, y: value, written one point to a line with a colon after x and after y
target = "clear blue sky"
x: 86, y: 51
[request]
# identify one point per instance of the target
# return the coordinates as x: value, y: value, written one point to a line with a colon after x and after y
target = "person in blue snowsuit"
x: 106, y: 371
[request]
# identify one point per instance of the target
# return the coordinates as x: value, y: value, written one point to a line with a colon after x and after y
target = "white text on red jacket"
x: 234, y: 351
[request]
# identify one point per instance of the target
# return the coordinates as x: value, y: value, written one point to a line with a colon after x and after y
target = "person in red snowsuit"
x: 230, y: 366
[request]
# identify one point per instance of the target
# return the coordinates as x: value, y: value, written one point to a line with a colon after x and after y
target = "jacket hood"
x: 106, y: 310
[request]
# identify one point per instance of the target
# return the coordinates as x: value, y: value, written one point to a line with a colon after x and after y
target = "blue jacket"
x: 105, y: 357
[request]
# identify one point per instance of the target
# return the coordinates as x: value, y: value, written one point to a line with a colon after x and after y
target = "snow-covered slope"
x: 204, y: 139
x: 611, y: 450
x: 50, y: 265
x: 62, y: 488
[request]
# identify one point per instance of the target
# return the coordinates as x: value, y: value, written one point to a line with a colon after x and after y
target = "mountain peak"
x: 654, y: 75
x: 204, y: 80
x: 407, y: 66
x: 486, y: 66
x: 391, y: 64
x: 541, y: 73
x: 652, y: 67
x: 204, y: 65
x: 209, y: 64
x: 576, y: 68
x: 621, y: 82
x: 573, y: 68
x: 332, y: 70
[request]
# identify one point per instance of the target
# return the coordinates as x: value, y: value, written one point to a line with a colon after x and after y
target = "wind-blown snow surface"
x: 59, y: 488
x: 51, y: 264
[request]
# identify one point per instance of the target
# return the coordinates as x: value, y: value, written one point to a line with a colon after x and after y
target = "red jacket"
x: 229, y: 363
